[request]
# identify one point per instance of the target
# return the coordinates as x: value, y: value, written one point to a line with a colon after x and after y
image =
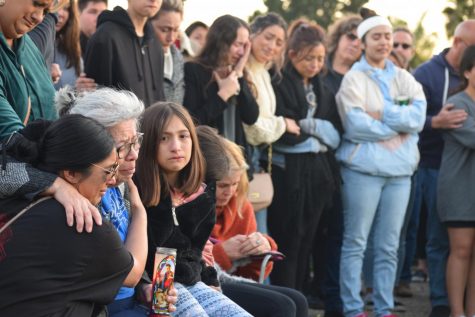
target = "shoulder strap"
x: 18, y: 215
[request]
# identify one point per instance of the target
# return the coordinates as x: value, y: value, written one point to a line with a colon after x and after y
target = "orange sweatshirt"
x: 228, y: 224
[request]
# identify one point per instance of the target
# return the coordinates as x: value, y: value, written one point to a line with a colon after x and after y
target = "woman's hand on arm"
x: 77, y: 207
x: 291, y: 126
x: 84, y: 83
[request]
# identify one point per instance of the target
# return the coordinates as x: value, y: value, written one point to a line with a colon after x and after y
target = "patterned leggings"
x: 201, y: 300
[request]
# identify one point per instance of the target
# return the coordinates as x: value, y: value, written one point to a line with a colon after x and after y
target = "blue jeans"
x: 402, y: 253
x: 379, y: 202
x: 405, y: 275
x: 437, y: 248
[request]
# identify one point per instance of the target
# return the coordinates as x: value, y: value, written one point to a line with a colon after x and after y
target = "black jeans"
x: 267, y: 300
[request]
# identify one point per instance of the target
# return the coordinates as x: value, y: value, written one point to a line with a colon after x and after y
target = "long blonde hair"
x: 237, y: 162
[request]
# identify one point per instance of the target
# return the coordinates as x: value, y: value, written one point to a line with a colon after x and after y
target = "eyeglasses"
x: 351, y: 36
x: 124, y: 150
x: 110, y: 172
x: 403, y: 45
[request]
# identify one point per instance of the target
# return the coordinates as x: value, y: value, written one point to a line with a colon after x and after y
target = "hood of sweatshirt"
x: 120, y: 16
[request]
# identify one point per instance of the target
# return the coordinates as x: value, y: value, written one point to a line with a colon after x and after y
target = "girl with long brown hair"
x: 180, y: 208
x: 217, y: 91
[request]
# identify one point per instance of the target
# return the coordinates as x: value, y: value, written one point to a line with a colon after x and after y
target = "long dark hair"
x: 466, y: 64
x: 71, y: 143
x: 221, y: 35
x: 150, y: 176
x: 304, y: 35
x: 67, y: 39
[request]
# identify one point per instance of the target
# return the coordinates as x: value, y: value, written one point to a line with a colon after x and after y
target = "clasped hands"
x: 241, y: 246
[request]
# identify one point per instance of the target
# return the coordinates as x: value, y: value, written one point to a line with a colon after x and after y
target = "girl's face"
x: 63, y: 17
x: 268, y: 44
x: 226, y: 188
x: 310, y: 64
x: 174, y: 148
x: 102, y: 175
x: 378, y: 43
x: 238, y: 47
x: 167, y: 27
x: 18, y: 17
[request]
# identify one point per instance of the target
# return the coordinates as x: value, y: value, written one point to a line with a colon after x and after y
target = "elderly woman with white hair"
x: 118, y: 111
x: 382, y: 109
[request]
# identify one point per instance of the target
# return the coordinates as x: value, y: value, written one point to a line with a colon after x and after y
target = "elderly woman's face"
x: 125, y: 136
x: 18, y: 17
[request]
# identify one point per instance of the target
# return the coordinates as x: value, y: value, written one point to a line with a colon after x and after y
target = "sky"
x: 408, y: 10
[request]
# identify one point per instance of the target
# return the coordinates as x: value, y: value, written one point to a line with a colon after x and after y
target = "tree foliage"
x: 456, y: 12
x: 324, y: 12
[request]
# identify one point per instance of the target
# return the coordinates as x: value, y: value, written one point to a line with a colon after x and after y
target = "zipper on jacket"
x: 175, y: 219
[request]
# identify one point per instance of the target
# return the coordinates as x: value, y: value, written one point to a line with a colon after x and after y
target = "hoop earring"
x: 2, y: 3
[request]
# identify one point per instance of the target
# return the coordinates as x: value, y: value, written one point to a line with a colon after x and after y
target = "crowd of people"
x: 120, y: 124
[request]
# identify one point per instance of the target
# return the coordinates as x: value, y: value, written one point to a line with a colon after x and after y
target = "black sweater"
x: 117, y: 57
x: 196, y: 220
x: 204, y: 104
x: 292, y: 103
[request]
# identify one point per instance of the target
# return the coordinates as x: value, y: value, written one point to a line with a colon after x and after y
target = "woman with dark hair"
x: 46, y: 268
x: 301, y: 174
x: 382, y: 108
x: 166, y: 24
x: 217, y: 92
x: 67, y: 52
x: 268, y: 37
x: 456, y: 209
x: 344, y: 49
x: 197, y: 32
x: 121, y: 205
x: 180, y: 208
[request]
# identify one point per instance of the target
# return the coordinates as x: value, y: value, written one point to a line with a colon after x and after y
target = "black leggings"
x: 267, y: 300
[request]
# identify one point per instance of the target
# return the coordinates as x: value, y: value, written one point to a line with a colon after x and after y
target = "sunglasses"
x: 351, y: 36
x: 111, y: 171
x: 403, y: 45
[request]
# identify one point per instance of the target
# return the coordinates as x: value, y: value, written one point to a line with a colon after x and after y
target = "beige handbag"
x: 261, y: 191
